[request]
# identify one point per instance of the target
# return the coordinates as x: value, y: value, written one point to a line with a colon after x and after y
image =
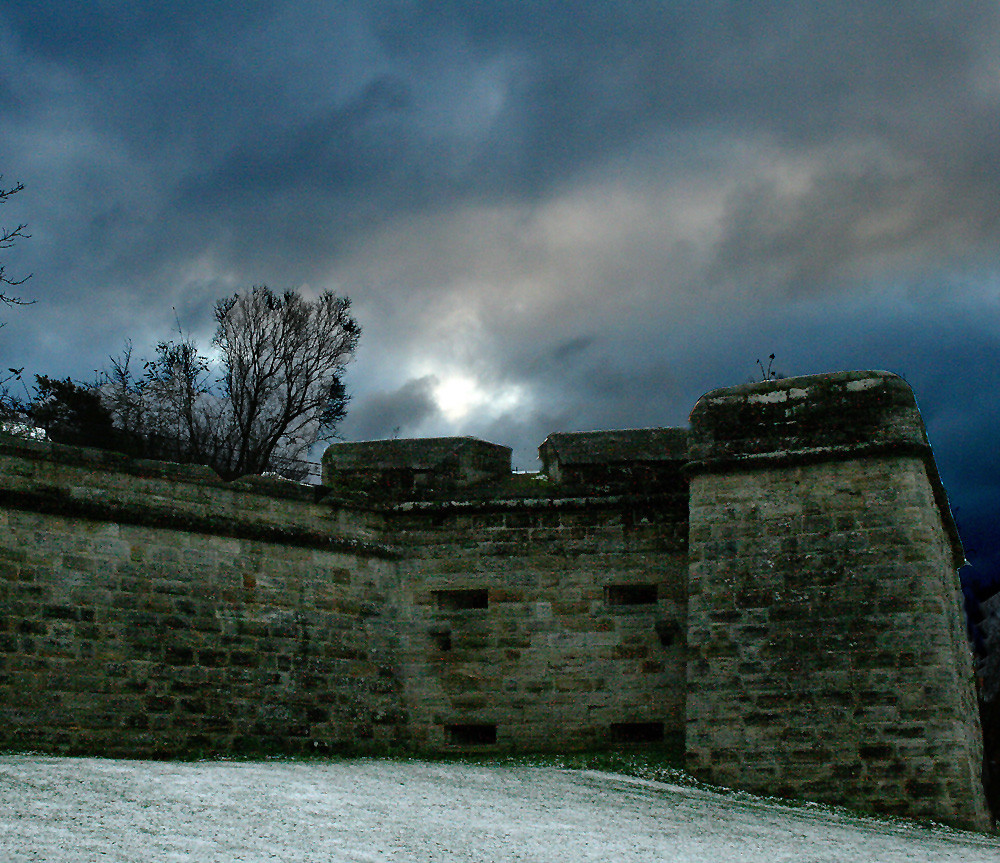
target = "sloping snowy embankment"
x: 63, y: 810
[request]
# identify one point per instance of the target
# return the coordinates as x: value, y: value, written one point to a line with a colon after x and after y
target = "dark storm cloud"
x: 570, y: 348
x: 239, y: 146
x: 325, y: 149
x: 550, y: 215
x: 849, y: 224
x: 94, y: 34
x: 582, y: 81
x: 597, y: 75
x: 396, y: 413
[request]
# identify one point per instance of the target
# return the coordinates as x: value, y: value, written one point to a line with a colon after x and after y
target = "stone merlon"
x: 614, y: 460
x: 849, y: 413
x: 408, y: 464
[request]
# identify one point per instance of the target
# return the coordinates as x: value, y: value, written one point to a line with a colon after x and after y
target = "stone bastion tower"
x: 827, y: 656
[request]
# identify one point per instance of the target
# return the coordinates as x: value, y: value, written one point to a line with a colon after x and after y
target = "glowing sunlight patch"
x: 459, y: 395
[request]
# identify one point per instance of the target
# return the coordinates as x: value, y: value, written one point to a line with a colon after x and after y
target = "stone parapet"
x: 811, y: 419
x: 76, y: 482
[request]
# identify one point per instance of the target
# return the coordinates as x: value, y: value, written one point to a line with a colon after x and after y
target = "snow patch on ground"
x: 69, y: 810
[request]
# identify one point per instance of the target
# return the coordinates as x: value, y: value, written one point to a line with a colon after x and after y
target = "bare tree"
x: 167, y: 411
x: 280, y: 386
x: 7, y: 238
x: 284, y: 358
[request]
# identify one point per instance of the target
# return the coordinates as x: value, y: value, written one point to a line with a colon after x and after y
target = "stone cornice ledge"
x: 529, y: 503
x: 804, y: 455
x: 58, y: 502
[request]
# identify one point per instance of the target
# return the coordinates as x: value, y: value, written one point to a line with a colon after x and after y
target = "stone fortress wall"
x: 149, y: 609
x: 775, y: 586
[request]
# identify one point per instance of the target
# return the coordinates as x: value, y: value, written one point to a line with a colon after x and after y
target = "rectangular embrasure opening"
x: 462, y: 600
x: 440, y: 637
x: 471, y: 734
x: 668, y: 631
x: 630, y: 594
x: 637, y: 732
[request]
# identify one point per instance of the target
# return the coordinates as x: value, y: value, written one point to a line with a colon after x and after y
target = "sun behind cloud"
x: 459, y: 395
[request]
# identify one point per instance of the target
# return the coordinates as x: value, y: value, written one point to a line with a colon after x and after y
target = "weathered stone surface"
x: 811, y: 415
x: 630, y: 460
x: 401, y: 467
x: 793, y: 613
x: 151, y: 609
x: 552, y: 662
x: 827, y: 653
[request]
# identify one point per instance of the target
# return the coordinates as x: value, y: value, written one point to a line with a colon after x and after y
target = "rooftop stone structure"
x: 410, y: 465
x: 622, y: 459
x: 773, y: 590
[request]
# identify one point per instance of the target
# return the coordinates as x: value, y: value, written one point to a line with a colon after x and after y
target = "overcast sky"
x: 550, y: 216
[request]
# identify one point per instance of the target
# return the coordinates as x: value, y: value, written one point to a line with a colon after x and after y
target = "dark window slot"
x: 667, y: 631
x: 471, y: 734
x: 630, y: 594
x: 441, y: 638
x: 637, y: 732
x: 462, y: 600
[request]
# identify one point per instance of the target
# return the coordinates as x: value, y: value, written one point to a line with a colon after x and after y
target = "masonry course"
x: 775, y: 587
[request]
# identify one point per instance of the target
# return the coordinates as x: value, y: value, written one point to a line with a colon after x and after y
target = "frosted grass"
x: 66, y: 810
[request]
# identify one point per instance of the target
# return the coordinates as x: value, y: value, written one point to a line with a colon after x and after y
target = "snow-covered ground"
x: 62, y: 810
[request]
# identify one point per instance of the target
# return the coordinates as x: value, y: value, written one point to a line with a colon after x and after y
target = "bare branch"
x: 7, y: 238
